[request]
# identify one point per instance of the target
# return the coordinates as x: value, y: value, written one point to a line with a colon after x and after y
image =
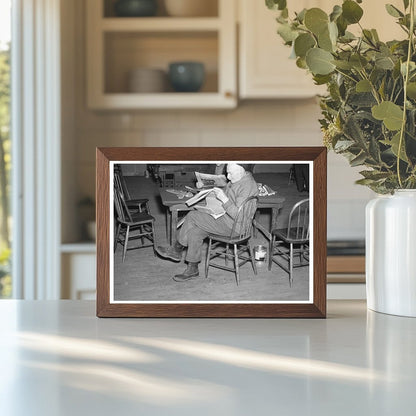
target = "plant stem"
x: 346, y: 75
x: 405, y: 81
x: 373, y: 88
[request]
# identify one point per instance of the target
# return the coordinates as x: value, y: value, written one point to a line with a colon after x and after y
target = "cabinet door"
x: 266, y: 71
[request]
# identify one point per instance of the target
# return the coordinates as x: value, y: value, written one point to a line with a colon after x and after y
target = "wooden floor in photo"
x: 145, y: 276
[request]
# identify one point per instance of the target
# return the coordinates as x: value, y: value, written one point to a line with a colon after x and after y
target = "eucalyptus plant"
x: 369, y: 111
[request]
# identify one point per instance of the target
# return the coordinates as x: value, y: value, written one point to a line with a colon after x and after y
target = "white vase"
x: 391, y: 253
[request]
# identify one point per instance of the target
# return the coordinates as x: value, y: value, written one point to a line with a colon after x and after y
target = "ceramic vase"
x: 391, y: 253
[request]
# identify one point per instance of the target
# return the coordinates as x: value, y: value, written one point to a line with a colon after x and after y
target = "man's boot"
x: 171, y: 252
x: 190, y: 272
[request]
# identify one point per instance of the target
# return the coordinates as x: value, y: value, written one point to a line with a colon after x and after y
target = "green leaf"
x: 287, y: 33
x: 393, y: 11
x: 347, y: 37
x: 351, y: 11
x: 301, y: 15
x: 358, y: 61
x: 374, y: 150
x: 363, y: 86
x: 391, y: 114
x: 344, y: 65
x: 342, y: 25
x: 319, y: 61
x: 374, y: 174
x: 384, y: 62
x: 394, y: 144
x: 343, y: 145
x: 359, y: 160
x: 333, y: 32
x: 368, y: 36
x: 303, y: 43
x: 375, y: 35
x: 301, y: 63
x: 276, y: 4
x: 362, y: 99
x: 321, y: 79
x: 406, y: 4
x: 316, y: 20
x: 411, y: 90
x: 336, y: 12
x: 325, y: 42
x: 412, y: 67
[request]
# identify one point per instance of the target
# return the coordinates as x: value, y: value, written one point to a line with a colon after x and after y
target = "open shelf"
x: 209, y: 9
x: 126, y: 51
x: 160, y: 24
x: 118, y: 45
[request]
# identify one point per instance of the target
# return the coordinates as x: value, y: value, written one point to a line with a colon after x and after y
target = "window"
x: 5, y: 147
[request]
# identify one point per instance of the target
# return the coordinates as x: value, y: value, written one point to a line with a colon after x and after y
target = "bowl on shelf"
x: 147, y: 80
x: 186, y: 76
x: 135, y: 8
x: 191, y: 8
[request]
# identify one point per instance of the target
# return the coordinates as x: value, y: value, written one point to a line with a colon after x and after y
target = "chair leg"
x: 291, y: 265
x: 271, y: 246
x: 208, y: 257
x: 116, y: 237
x: 167, y: 225
x: 302, y: 248
x: 142, y: 231
x: 227, y: 248
x: 126, y: 240
x: 251, y: 254
x: 153, y: 239
x: 237, y: 275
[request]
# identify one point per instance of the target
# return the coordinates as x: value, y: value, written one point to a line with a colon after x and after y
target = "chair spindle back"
x: 298, y: 225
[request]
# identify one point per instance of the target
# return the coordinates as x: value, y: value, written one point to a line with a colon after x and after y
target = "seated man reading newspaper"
x: 199, y: 223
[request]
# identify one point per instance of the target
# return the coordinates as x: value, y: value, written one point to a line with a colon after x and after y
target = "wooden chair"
x: 239, y: 239
x: 131, y: 226
x: 140, y: 204
x: 293, y: 240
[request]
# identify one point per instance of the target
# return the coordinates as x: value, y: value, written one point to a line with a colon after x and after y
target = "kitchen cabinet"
x: 78, y: 262
x: 265, y: 70
x: 118, y: 45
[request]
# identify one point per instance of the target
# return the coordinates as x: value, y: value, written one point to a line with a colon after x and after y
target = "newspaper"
x: 200, y: 195
x: 211, y: 180
x: 212, y: 205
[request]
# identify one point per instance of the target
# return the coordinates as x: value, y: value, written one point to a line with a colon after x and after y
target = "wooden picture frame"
x: 112, y: 304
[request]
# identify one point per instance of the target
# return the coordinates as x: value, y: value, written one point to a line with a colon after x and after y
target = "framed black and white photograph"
x: 211, y: 232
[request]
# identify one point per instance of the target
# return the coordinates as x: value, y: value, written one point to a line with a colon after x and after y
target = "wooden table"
x: 175, y: 204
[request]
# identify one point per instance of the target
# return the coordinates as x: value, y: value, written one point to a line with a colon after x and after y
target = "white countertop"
x: 57, y: 358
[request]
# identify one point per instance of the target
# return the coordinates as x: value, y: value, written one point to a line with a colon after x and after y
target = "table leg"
x: 167, y: 214
x: 275, y: 212
x: 257, y: 218
x: 173, y: 225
